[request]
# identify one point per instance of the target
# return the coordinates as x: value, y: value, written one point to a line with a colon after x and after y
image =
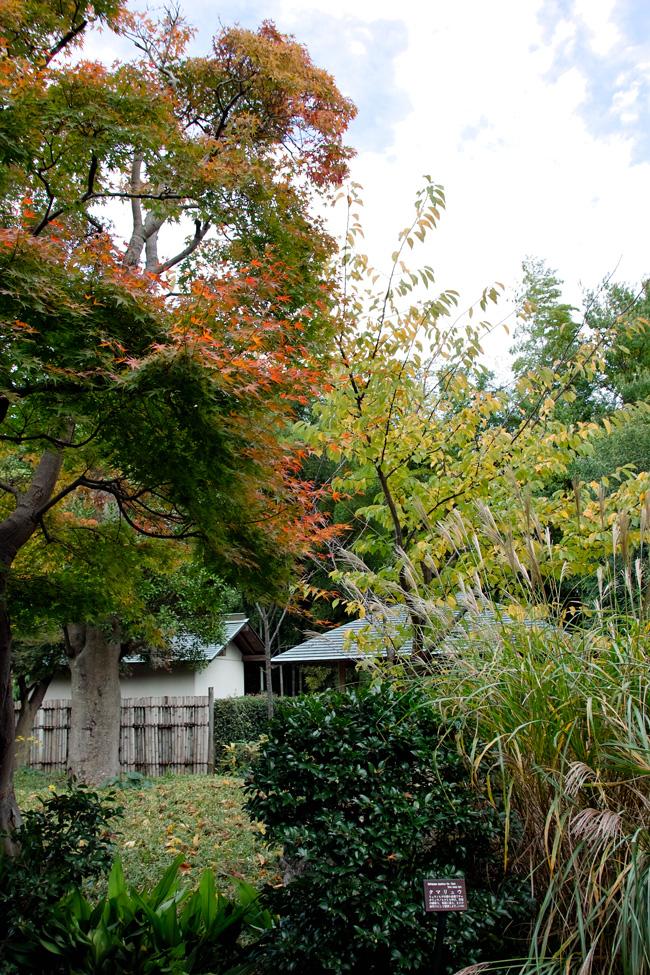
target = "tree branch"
x: 191, y: 247
x: 55, y: 441
x: 10, y: 489
x: 186, y: 533
x: 65, y: 40
x: 92, y: 172
x: 72, y: 486
x: 399, y: 537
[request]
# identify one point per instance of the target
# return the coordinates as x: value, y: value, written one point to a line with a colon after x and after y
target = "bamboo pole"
x: 210, y: 730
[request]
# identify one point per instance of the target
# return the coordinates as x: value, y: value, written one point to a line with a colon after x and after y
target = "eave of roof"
x: 238, y: 632
x: 330, y: 647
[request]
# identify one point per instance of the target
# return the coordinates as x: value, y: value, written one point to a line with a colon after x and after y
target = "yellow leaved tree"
x: 420, y: 432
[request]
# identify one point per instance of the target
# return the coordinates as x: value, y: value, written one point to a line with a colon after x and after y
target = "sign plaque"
x: 445, y: 895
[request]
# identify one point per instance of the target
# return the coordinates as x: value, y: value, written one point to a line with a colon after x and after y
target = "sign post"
x: 441, y: 897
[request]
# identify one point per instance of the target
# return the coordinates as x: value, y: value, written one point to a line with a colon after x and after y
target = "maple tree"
x: 165, y: 401
x: 134, y: 595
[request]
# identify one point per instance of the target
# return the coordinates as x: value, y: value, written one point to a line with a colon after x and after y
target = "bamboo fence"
x: 157, y: 735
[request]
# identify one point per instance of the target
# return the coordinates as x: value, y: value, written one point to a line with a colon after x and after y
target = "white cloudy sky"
x: 533, y: 114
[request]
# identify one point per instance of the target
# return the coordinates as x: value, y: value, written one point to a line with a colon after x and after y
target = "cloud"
x: 471, y: 132
x: 610, y: 47
x: 361, y: 56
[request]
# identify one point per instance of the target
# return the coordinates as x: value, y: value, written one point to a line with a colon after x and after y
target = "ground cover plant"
x: 200, y: 816
x: 59, y: 906
x: 369, y: 794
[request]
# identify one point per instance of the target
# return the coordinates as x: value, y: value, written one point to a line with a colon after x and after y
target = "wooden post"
x: 440, y: 937
x: 210, y: 730
x: 342, y: 675
x: 281, y: 680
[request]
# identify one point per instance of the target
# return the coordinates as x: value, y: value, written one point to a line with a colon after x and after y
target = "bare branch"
x: 10, y: 489
x: 191, y: 247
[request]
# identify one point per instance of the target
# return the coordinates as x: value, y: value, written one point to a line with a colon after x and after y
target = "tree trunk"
x: 145, y: 231
x: 151, y: 253
x: 269, y: 682
x: 15, y: 531
x: 10, y: 818
x: 94, y: 741
x: 266, y: 615
x: 31, y: 699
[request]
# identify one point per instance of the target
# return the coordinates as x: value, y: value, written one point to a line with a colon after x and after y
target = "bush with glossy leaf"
x: 167, y: 930
x: 369, y: 795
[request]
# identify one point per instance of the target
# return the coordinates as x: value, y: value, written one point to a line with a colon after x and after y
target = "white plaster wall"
x: 225, y: 673
x: 144, y: 682
x: 59, y: 688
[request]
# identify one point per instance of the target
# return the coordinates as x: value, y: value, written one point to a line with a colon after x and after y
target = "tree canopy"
x: 416, y: 428
x: 164, y: 399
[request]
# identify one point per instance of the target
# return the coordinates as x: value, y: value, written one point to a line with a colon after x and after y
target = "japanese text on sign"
x: 445, y: 895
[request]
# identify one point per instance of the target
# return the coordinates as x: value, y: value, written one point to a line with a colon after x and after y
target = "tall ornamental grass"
x: 560, y: 726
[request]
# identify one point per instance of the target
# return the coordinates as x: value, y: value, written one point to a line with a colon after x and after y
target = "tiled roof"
x: 470, y: 626
x: 210, y: 650
x: 330, y: 647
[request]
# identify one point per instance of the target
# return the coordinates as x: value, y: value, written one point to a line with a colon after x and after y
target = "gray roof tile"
x: 210, y: 650
x: 329, y: 647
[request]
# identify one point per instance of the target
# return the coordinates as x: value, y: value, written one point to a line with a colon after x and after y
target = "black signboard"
x: 445, y: 895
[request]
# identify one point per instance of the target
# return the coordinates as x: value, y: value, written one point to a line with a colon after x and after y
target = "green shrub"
x: 369, y: 795
x: 319, y: 678
x: 64, y: 842
x: 240, y: 755
x: 238, y: 719
x: 139, y: 933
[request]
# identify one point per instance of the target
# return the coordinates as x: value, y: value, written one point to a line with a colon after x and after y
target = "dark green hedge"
x: 368, y: 794
x: 238, y: 719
